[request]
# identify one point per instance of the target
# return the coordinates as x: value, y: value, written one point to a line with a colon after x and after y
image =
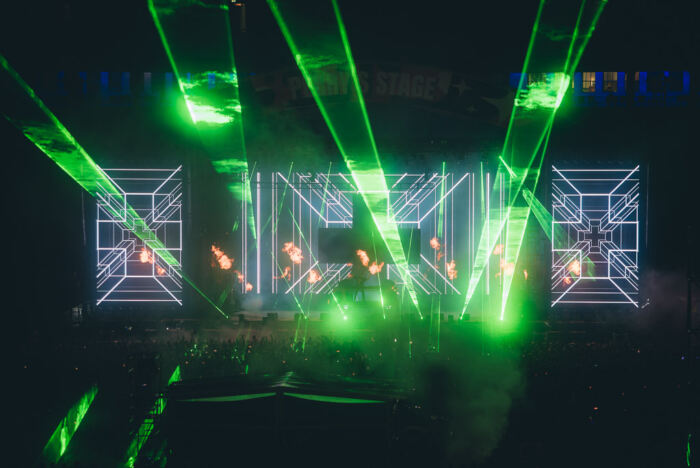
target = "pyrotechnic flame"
x: 567, y: 280
x: 225, y: 262
x: 293, y: 251
x: 364, y: 258
x: 575, y: 268
x: 525, y: 274
x: 248, y: 287
x: 313, y: 277
x: 145, y: 256
x: 498, y: 250
x: 451, y: 269
x: 440, y: 255
x: 509, y: 269
x: 435, y: 243
x: 240, y: 276
x: 286, y: 274
x: 374, y: 268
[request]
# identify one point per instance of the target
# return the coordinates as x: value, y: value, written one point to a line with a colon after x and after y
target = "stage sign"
x: 127, y: 269
x: 595, y: 236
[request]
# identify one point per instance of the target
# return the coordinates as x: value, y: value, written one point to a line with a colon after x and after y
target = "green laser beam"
x: 554, y: 232
x: 435, y: 302
x: 211, y: 95
x: 560, y: 87
x: 36, y: 121
x: 538, y: 103
x: 515, y: 233
x: 523, y: 73
x: 62, y: 435
x: 146, y: 428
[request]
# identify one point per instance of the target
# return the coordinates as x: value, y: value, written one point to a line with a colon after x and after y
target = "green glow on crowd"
x: 36, y: 121
x: 330, y: 399
x: 318, y: 41
x: 146, y: 428
x: 62, y: 435
x: 211, y: 95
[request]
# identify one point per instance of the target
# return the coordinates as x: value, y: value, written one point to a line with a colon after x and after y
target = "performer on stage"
x: 354, y: 284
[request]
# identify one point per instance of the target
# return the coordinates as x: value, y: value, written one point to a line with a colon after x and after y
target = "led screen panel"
x: 128, y: 270
x: 293, y: 254
x: 595, y: 236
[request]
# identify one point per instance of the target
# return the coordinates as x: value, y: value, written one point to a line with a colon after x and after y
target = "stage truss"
x: 595, y: 236
x: 301, y: 203
x: 127, y: 270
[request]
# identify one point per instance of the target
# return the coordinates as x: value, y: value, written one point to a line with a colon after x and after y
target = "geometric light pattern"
x: 128, y: 270
x: 595, y: 236
x: 325, y: 200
